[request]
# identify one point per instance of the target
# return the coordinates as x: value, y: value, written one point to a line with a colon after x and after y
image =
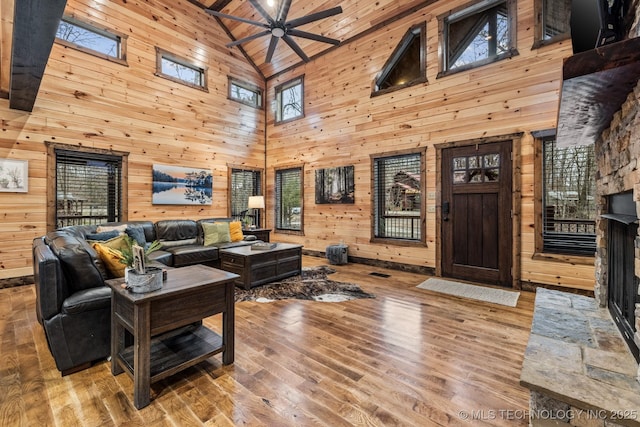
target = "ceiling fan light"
x: 277, y: 32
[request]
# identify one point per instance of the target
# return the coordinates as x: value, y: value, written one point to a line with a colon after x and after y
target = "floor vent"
x: 375, y: 273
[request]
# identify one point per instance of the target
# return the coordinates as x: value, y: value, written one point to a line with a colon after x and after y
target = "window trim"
x: 464, y: 11
x: 51, y: 178
x: 202, y: 69
x: 539, y: 41
x: 539, y: 253
x: 416, y: 30
x: 100, y: 30
x: 278, y: 99
x: 230, y: 169
x: 276, y: 170
x: 247, y: 86
x: 423, y: 191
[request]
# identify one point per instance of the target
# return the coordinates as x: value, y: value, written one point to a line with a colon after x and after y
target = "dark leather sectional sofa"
x: 74, y: 305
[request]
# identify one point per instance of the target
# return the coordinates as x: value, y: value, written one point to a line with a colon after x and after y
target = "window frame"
x: 88, y: 153
x: 259, y: 192
x: 422, y: 242
x: 202, y: 69
x: 539, y: 40
x: 463, y: 12
x: 540, y: 137
x: 419, y: 30
x: 231, y: 81
x: 278, y: 99
x: 108, y: 33
x: 277, y: 226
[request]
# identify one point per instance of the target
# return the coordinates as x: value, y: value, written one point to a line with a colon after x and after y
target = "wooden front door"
x: 476, y: 213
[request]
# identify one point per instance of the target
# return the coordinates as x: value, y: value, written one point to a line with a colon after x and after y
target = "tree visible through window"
x: 89, y: 38
x: 568, y: 198
x: 180, y: 70
x: 245, y: 183
x: 245, y: 92
x: 477, y: 35
x: 88, y: 188
x: 289, y: 100
x: 397, y: 197
x: 289, y: 199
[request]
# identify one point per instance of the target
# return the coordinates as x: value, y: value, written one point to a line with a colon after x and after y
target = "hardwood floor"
x: 409, y: 357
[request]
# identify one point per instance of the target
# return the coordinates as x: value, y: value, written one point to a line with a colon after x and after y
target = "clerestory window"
x: 552, y: 21
x: 104, y: 43
x: 290, y: 100
x: 407, y: 64
x: 180, y: 70
x: 245, y: 93
x: 477, y: 35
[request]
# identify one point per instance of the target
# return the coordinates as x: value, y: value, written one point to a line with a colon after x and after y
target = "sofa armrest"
x: 87, y: 300
x: 49, y: 281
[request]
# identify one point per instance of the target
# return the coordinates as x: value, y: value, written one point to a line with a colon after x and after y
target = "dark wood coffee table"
x: 166, y: 324
x: 257, y: 267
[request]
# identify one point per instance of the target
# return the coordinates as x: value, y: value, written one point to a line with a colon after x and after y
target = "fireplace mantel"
x: 595, y: 85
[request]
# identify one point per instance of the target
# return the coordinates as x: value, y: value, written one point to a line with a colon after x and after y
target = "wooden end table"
x: 260, y: 233
x: 166, y: 324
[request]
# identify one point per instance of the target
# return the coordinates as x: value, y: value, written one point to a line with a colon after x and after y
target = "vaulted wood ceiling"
x: 357, y: 18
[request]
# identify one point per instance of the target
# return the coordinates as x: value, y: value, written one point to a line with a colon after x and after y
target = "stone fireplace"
x: 618, y: 194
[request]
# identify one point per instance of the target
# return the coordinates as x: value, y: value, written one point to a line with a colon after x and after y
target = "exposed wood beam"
x: 34, y: 31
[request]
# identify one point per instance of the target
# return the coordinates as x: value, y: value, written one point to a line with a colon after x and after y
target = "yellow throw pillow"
x: 118, y: 243
x: 111, y: 259
x: 215, y: 232
x: 235, y: 230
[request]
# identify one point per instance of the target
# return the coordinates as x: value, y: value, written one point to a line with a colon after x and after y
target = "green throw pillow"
x: 216, y: 232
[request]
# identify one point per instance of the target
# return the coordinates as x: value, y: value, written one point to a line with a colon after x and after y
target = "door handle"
x: 445, y: 211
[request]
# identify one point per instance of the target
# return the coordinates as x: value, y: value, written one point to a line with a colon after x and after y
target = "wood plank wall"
x: 343, y: 125
x: 91, y: 102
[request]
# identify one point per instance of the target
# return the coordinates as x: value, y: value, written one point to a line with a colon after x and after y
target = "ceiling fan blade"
x: 261, y: 11
x: 236, y: 18
x: 284, y: 11
x: 246, y: 39
x: 272, y: 48
x: 311, y: 36
x: 314, y: 17
x: 293, y: 45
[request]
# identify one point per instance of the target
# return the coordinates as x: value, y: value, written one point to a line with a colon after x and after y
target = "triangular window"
x: 407, y: 65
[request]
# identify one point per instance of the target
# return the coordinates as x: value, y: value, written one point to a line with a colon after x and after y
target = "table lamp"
x: 256, y: 202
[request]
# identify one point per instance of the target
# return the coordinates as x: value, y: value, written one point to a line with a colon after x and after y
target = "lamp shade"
x: 256, y: 202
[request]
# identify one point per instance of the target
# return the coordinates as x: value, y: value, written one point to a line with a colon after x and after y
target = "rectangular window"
x: 477, y: 35
x: 180, y: 70
x: 397, y: 197
x: 245, y: 93
x: 290, y: 100
x: 568, y: 202
x: 88, y: 38
x: 552, y: 21
x: 243, y: 184
x: 289, y: 209
x: 88, y: 188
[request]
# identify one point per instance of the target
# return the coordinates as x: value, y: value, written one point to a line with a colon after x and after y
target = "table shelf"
x: 173, y: 352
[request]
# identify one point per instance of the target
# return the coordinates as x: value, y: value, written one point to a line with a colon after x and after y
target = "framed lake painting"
x: 178, y: 185
x: 14, y: 176
x: 335, y: 185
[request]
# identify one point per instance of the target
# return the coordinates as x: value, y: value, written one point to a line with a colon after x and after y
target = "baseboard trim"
x: 410, y: 268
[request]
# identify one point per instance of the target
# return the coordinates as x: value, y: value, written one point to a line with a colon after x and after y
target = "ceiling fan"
x: 280, y: 28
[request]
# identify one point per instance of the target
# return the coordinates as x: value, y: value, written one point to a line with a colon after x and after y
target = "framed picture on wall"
x: 335, y: 185
x: 14, y: 176
x: 178, y: 185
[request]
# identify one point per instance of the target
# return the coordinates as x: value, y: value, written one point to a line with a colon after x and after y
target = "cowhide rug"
x: 312, y: 284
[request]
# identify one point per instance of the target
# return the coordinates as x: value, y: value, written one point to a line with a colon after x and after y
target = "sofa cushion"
x: 78, y: 260
x: 111, y: 259
x: 119, y: 228
x: 136, y: 232
x: 192, y: 254
x: 88, y: 299
x: 105, y: 235
x: 215, y: 232
x: 118, y: 243
x: 160, y: 256
x: 176, y: 229
x: 235, y: 230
